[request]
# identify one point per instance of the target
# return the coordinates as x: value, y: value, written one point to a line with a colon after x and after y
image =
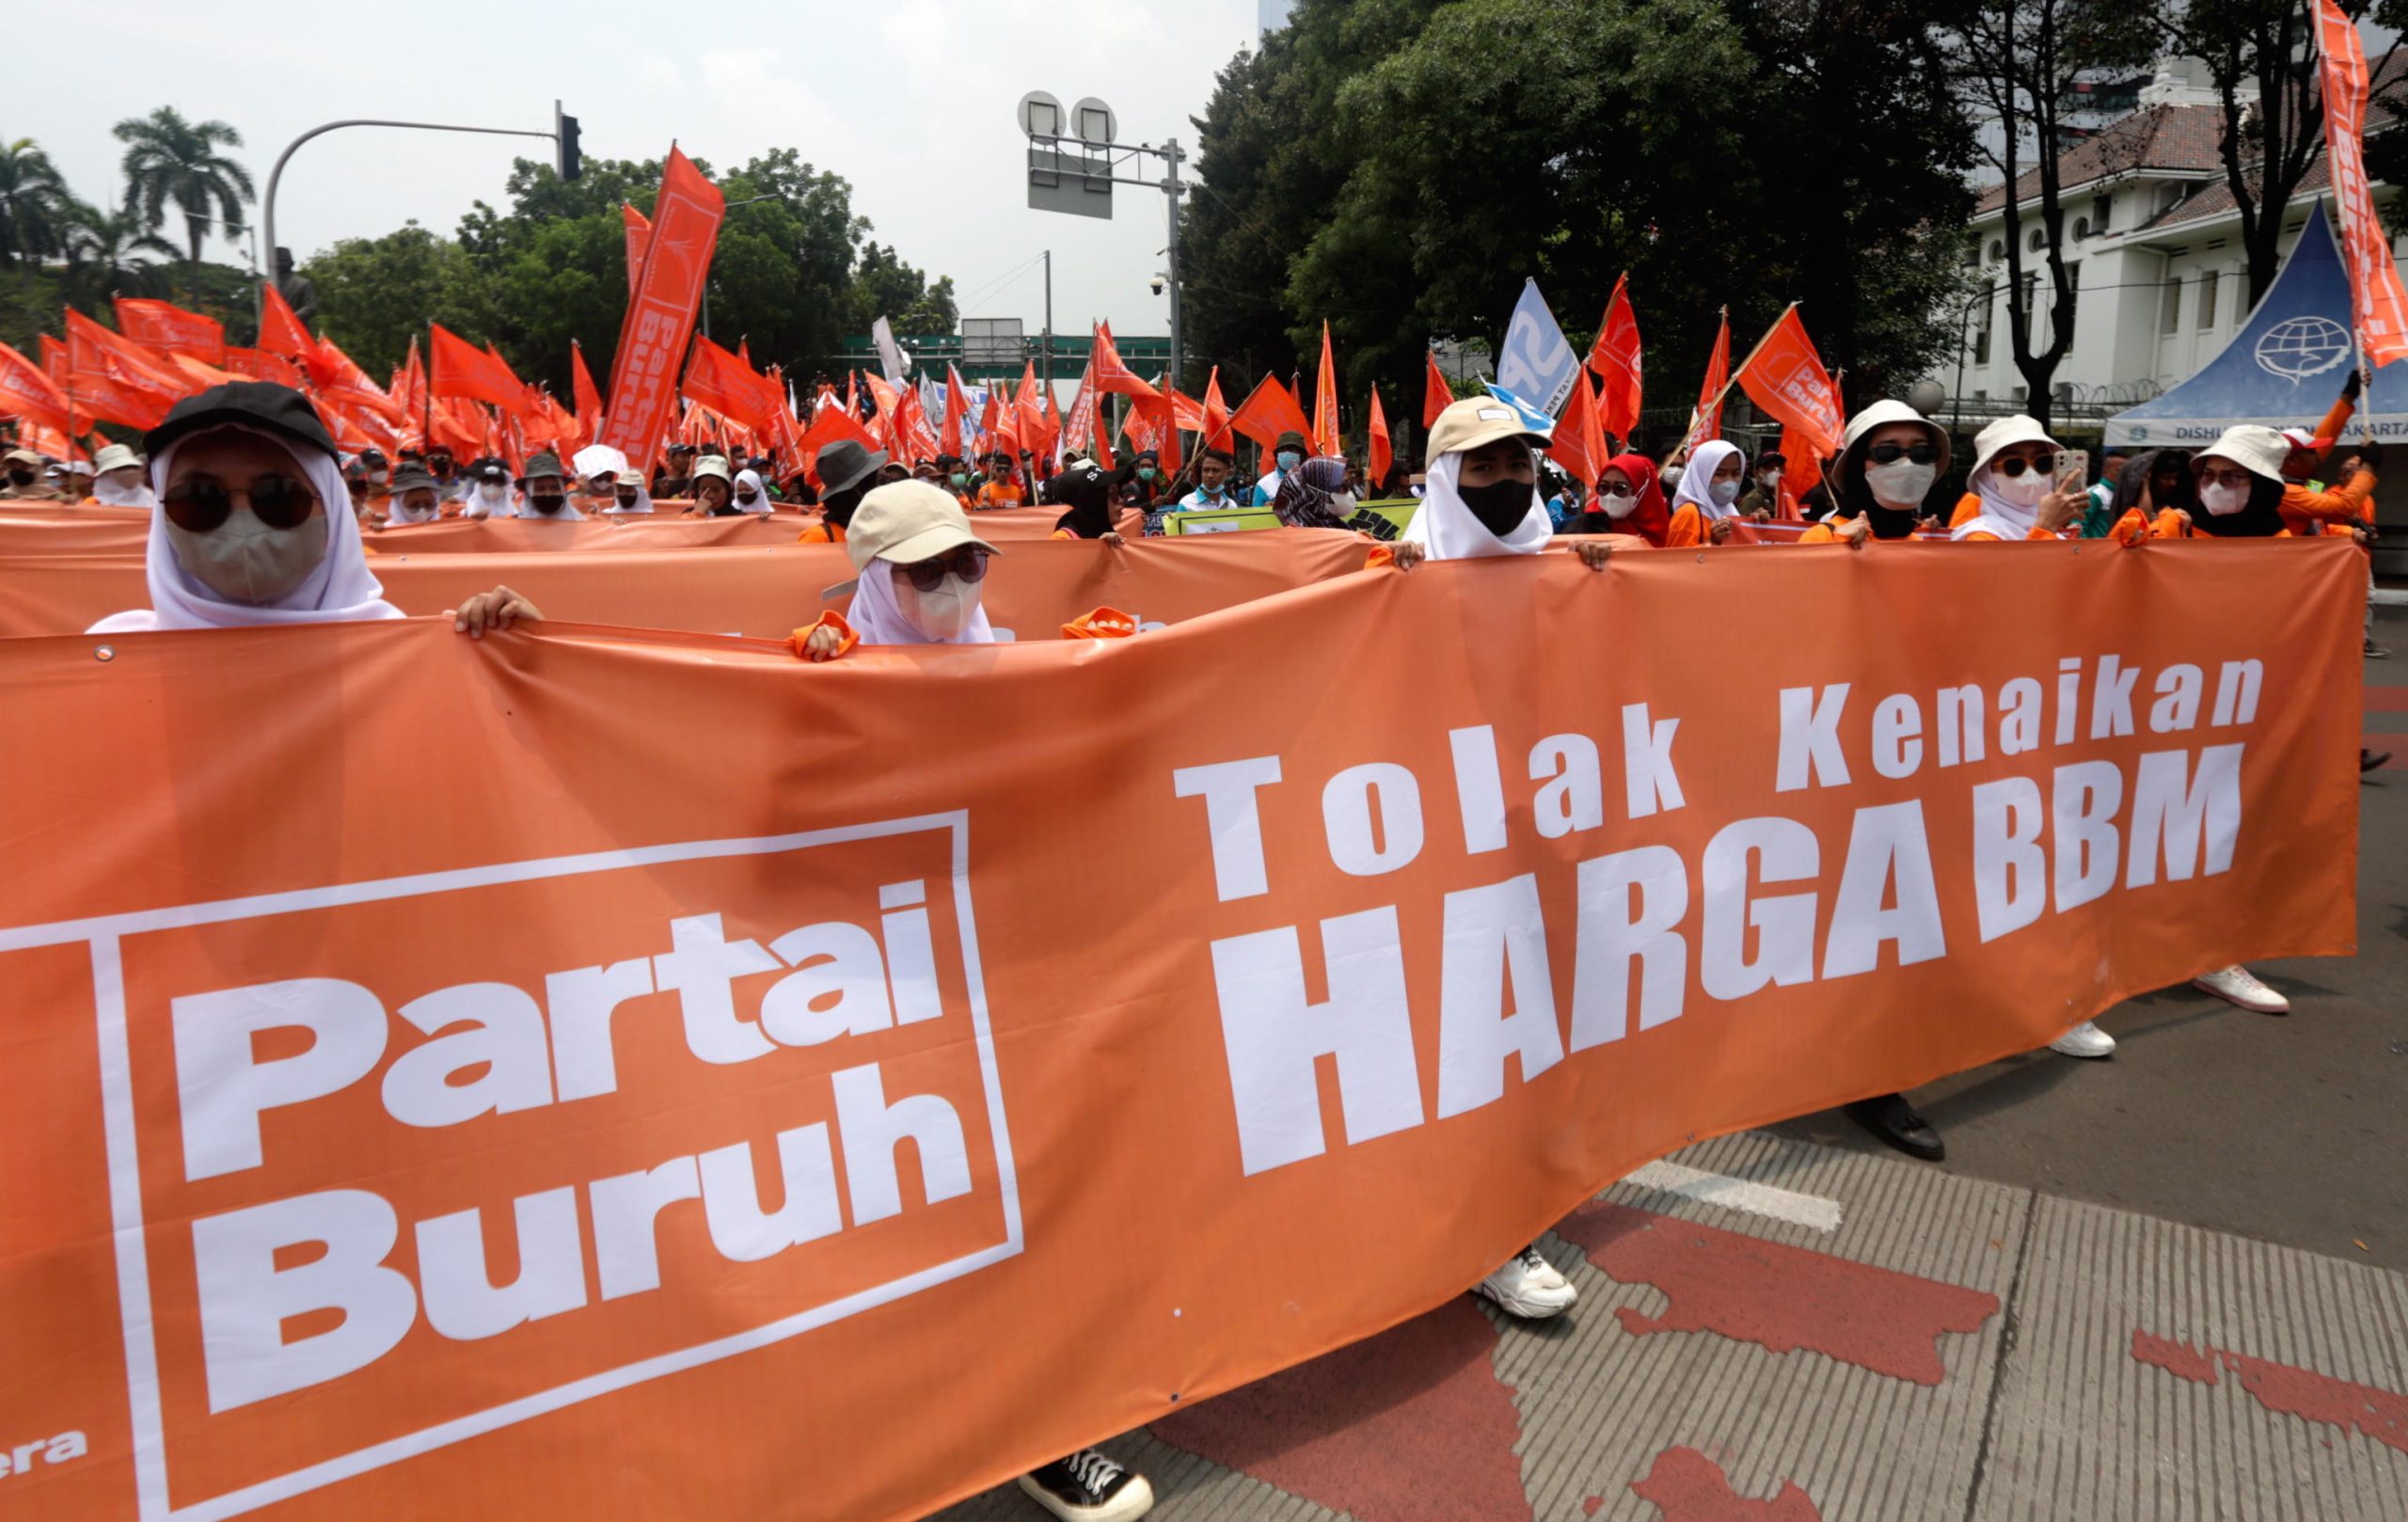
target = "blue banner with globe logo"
x: 2283, y: 368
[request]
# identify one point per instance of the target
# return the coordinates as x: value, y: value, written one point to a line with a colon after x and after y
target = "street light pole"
x: 267, y: 212
x: 1171, y: 189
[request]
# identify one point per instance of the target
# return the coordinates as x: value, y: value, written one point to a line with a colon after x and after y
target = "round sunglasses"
x: 199, y: 502
x: 967, y: 562
x: 2011, y: 466
x: 1926, y: 452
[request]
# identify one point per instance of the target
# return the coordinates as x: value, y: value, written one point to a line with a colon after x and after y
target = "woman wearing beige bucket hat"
x: 2014, y: 491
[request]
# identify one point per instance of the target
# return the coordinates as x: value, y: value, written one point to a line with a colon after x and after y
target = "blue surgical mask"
x: 1725, y: 493
x: 1145, y: 472
x: 1289, y: 459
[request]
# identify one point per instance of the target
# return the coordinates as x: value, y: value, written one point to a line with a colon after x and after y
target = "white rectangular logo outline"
x: 105, y: 932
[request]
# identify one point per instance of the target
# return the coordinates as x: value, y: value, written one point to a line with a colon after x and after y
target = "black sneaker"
x: 2374, y: 651
x: 2370, y: 760
x: 1089, y: 1487
x: 1892, y: 1119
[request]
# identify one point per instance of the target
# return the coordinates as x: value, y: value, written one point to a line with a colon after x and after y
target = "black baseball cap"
x: 262, y: 405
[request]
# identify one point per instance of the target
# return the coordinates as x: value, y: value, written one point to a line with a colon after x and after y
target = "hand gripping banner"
x: 616, y: 1075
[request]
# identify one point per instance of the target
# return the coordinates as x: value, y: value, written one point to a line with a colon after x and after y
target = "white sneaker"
x: 1522, y: 1287
x: 2084, y: 1041
x: 2235, y: 985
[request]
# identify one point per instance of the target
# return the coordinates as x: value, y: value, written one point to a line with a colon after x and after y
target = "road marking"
x: 1813, y: 1212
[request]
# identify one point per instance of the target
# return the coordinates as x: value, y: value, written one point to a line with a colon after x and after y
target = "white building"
x: 2153, y: 249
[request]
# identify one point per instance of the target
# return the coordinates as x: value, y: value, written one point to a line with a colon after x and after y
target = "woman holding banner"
x: 1889, y: 458
x: 1704, y: 506
x: 253, y: 527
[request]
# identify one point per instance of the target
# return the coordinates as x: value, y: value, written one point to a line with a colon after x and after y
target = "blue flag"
x: 1535, y: 359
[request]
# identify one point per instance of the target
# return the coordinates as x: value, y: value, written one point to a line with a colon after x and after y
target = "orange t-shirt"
x: 999, y: 494
x: 2350, y: 503
x: 822, y: 533
x: 1969, y: 507
x: 1687, y: 528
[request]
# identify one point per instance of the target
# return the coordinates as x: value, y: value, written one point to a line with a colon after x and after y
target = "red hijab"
x: 1650, y: 519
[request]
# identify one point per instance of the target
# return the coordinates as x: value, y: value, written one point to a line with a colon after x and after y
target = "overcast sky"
x: 910, y: 101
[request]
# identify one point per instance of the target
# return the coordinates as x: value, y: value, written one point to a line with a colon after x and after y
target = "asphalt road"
x: 2291, y: 1131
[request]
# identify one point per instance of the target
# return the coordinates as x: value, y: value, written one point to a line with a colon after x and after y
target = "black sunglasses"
x: 199, y: 503
x: 2015, y: 465
x: 1926, y: 452
x: 968, y: 561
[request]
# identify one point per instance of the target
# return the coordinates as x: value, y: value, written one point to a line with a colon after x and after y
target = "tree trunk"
x: 192, y: 267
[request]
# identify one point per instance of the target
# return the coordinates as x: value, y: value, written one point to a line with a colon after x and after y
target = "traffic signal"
x: 567, y: 159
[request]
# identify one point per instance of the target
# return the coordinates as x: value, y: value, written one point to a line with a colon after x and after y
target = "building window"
x: 2099, y: 213
x: 1982, y: 334
x: 2080, y: 228
x: 2073, y: 296
x: 1998, y: 249
x: 2170, y: 315
x: 2207, y: 300
x: 2033, y: 241
x: 2032, y: 301
x: 2168, y: 197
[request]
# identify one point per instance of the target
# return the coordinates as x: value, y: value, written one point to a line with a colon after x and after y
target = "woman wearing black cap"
x: 253, y: 527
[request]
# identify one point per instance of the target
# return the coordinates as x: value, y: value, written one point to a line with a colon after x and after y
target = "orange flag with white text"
x: 1325, y: 435
x: 1784, y: 377
x: 639, y: 228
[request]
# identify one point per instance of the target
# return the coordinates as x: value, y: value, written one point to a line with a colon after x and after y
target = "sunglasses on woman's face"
x: 2011, y: 466
x: 199, y: 503
x: 969, y: 563
x: 1926, y: 452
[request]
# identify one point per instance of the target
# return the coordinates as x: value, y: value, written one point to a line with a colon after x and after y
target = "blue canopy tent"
x: 2283, y: 368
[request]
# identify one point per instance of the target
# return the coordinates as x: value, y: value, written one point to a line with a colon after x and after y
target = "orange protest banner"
x: 764, y: 592
x: 500, y: 1148
x: 660, y: 311
x: 2380, y: 303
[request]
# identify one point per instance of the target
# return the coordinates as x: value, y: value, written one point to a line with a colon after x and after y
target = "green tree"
x: 105, y: 256
x: 376, y: 294
x: 1398, y: 169
x: 2262, y: 61
x: 33, y: 205
x: 170, y: 162
x: 884, y: 286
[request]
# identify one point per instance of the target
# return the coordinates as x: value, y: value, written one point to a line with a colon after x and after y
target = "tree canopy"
x: 1399, y: 167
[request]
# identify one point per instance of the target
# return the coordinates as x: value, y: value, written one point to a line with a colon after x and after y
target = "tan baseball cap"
x: 711, y: 465
x: 114, y: 457
x: 906, y: 522
x: 1476, y: 420
x: 630, y: 478
x: 22, y: 457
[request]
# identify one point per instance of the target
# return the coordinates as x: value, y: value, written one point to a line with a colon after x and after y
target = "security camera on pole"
x: 1074, y: 172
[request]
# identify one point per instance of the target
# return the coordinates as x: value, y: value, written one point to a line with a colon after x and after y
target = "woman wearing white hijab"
x: 749, y: 498
x: 254, y: 524
x: 1482, y: 499
x: 2014, y: 482
x: 488, y: 494
x: 921, y: 569
x: 1480, y: 495
x: 920, y: 573
x: 119, y: 482
x: 1705, y: 503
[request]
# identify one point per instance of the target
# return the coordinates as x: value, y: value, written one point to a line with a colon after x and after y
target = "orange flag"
x: 260, y: 364
x: 1381, y: 454
x: 1112, y: 376
x: 660, y: 311
x: 459, y: 368
x: 410, y: 390
x: 1785, y: 377
x: 639, y: 233
x: 1706, y: 421
x: 728, y: 386
x: 93, y: 350
x: 1326, y: 439
x: 1577, y: 444
x: 280, y: 332
x: 165, y: 326
x: 581, y: 392
x: 1435, y: 397
x: 955, y: 395
x: 828, y: 425
x: 1616, y: 359
x: 26, y: 392
x: 1267, y: 412
x: 1216, y: 413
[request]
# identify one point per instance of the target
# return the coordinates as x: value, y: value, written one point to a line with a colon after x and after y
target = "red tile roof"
x: 2165, y: 138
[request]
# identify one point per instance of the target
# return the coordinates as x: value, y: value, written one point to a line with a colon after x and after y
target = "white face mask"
x: 1723, y: 492
x: 1767, y: 479
x: 939, y: 614
x: 2224, y: 501
x: 244, y: 560
x: 2025, y: 490
x: 1618, y: 504
x: 1901, y: 484
x: 489, y: 490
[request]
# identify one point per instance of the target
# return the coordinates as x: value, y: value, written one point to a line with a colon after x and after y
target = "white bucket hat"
x: 1888, y: 410
x: 2019, y: 429
x: 2254, y: 446
x: 114, y: 457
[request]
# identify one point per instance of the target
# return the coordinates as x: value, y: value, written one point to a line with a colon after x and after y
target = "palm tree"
x: 32, y: 201
x: 171, y: 161
x: 104, y: 255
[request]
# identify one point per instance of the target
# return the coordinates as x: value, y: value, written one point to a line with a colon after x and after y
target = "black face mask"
x: 1501, y: 505
x: 547, y: 506
x: 839, y: 505
x: 1892, y: 522
x: 627, y: 498
x: 21, y: 478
